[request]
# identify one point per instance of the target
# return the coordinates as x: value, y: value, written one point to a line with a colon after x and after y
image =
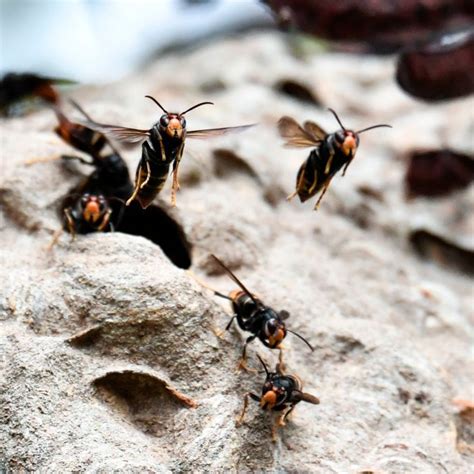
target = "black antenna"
x: 302, y: 338
x: 195, y: 106
x: 222, y: 295
x: 205, y: 285
x: 157, y: 103
x: 263, y: 363
x: 374, y: 126
x: 229, y: 272
x: 337, y: 118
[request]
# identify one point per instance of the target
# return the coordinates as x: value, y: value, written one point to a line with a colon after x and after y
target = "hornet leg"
x: 220, y: 332
x: 54, y: 240
x: 175, y: 185
x: 240, y: 419
x: 242, y: 365
x: 148, y: 174
x: 138, y: 181
x: 325, y: 188
x: 70, y: 223
x: 345, y: 167
x: 105, y: 221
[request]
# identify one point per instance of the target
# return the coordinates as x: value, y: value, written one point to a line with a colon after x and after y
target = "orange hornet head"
x: 173, y: 125
x: 92, y: 207
x: 268, y: 399
x: 275, y: 331
x: 347, y: 141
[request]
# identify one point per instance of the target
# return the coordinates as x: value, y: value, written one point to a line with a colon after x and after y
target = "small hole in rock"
x: 227, y: 162
x: 297, y: 91
x: 153, y: 223
x: 148, y: 401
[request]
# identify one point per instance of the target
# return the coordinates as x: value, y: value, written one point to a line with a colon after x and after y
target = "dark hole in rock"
x: 153, y: 223
x: 347, y: 344
x: 227, y: 162
x: 212, y: 86
x: 147, y: 400
x: 297, y: 91
x: 404, y: 395
x: 438, y: 173
x: 439, y: 249
x: 370, y: 192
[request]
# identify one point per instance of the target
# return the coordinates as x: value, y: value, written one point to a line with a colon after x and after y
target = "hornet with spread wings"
x: 331, y: 152
x: 163, y: 145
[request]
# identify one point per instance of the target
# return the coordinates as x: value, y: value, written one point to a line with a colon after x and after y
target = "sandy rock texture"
x: 110, y: 361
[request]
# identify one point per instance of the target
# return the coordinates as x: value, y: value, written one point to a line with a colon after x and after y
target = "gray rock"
x: 110, y: 361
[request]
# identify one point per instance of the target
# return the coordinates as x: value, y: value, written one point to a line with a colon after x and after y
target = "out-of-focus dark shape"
x: 18, y: 87
x: 431, y: 69
x: 298, y: 91
x: 437, y: 173
x: 442, y: 251
x: 438, y: 69
x: 389, y: 21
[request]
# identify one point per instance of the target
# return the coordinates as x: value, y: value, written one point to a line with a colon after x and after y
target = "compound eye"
x: 164, y: 120
x: 85, y: 198
x: 271, y: 327
x: 340, y: 137
x: 183, y: 122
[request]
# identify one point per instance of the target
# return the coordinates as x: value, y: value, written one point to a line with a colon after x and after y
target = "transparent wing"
x: 216, y: 132
x: 314, y: 130
x: 294, y: 135
x: 130, y: 136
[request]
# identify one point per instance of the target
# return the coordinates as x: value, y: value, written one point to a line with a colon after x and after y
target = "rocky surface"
x: 110, y: 361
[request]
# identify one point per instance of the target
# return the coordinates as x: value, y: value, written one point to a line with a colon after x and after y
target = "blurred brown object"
x: 429, y: 68
x: 437, y: 173
x: 391, y: 21
x: 438, y: 69
x: 444, y: 252
x: 18, y: 87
